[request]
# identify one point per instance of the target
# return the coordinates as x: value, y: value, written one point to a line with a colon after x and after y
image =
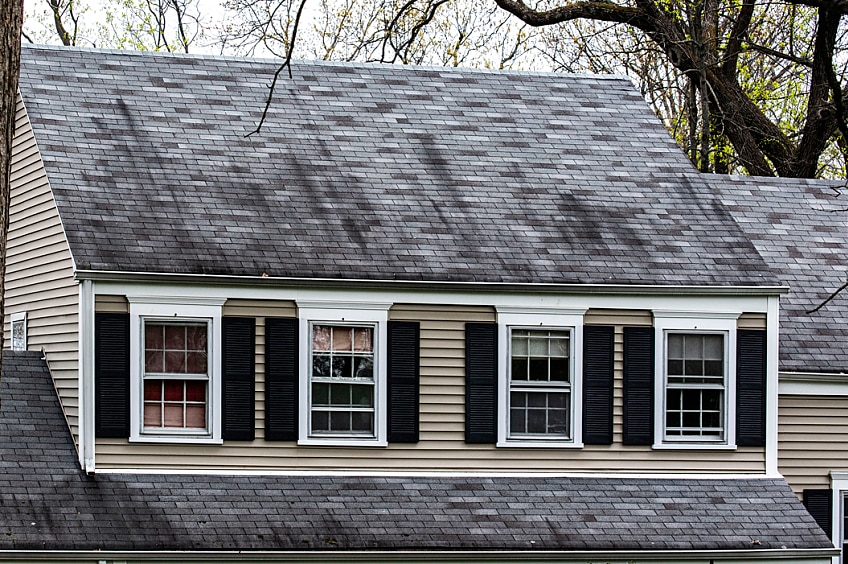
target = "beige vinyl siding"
x: 812, y: 437
x: 111, y: 304
x: 442, y: 418
x: 752, y: 321
x: 40, y: 270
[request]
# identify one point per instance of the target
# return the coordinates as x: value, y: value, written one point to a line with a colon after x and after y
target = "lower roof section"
x: 50, y: 505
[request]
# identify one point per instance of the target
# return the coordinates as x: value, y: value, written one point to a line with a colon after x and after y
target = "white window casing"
x: 696, y: 324
x: 344, y: 315
x: 164, y: 311
x: 560, y: 320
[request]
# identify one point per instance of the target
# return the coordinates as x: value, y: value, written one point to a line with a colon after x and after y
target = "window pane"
x: 539, y: 369
x: 362, y: 396
x: 320, y: 338
x: 340, y: 395
x: 320, y: 421
x: 175, y: 362
x: 363, y: 422
x: 519, y: 344
x: 152, y: 390
x: 174, y: 415
x: 154, y: 336
x: 320, y: 366
x: 173, y: 390
x: 693, y: 346
x: 152, y: 415
x: 175, y: 337
x: 539, y: 414
x: 675, y: 346
x: 520, y: 368
x: 195, y: 391
x: 340, y: 421
x: 363, y: 339
x: 196, y: 338
x: 517, y: 424
x: 536, y: 421
x: 342, y: 339
x: 363, y: 367
x: 538, y: 347
x: 196, y: 363
x: 713, y: 347
x: 559, y: 370
x: 342, y: 366
x: 195, y: 416
x: 154, y: 361
x: 321, y: 394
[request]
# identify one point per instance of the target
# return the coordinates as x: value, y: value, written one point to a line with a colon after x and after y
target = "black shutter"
x: 819, y: 504
x: 638, y: 386
x: 238, y: 378
x: 598, y: 364
x: 481, y: 381
x: 404, y: 371
x: 750, y: 388
x: 112, y: 375
x: 281, y: 379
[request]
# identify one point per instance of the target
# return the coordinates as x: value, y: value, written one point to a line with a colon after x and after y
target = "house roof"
x: 800, y: 227
x: 374, y: 172
x: 49, y: 504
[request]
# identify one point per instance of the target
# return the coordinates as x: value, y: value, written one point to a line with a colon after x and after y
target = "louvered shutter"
x: 481, y: 381
x: 112, y: 375
x: 403, y: 378
x: 819, y: 504
x: 238, y: 378
x: 598, y: 351
x: 750, y: 388
x: 638, y: 386
x: 281, y: 379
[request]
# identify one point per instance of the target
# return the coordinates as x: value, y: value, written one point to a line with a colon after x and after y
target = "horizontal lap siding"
x: 40, y: 271
x: 812, y: 439
x: 442, y: 445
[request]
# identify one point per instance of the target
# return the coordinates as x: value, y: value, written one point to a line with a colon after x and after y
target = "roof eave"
x: 330, y: 283
x: 426, y: 555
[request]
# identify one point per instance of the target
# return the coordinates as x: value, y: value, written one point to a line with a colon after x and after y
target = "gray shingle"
x: 371, y: 172
x: 62, y: 508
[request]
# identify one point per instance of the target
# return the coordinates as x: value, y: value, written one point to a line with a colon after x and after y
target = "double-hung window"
x: 343, y: 396
x: 540, y: 384
x: 695, y: 380
x: 695, y: 386
x: 175, y: 352
x: 539, y: 377
x: 176, y: 376
x: 342, y: 380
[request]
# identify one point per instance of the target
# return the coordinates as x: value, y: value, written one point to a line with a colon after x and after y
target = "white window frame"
x: 666, y: 323
x: 839, y: 504
x: 19, y: 318
x: 161, y: 309
x: 547, y: 319
x: 344, y: 313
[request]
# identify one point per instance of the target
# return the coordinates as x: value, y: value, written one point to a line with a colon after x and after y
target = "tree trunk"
x: 11, y: 20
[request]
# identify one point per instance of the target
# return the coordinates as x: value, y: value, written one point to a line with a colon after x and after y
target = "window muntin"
x: 176, y: 376
x: 695, y: 380
x: 342, y: 383
x: 539, y: 384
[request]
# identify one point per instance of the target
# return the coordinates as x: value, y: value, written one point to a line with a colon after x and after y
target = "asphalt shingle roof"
x: 371, y: 172
x: 49, y: 504
x: 800, y: 228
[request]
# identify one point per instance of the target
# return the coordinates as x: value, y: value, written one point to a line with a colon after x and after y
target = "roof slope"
x: 800, y: 227
x: 48, y: 504
x: 371, y: 172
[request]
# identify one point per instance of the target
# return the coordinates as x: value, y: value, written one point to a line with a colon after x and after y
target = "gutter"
x: 572, y: 288
x: 412, y: 556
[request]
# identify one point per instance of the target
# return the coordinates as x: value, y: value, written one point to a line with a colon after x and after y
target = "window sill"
x: 541, y: 443
x: 176, y: 439
x: 342, y: 442
x: 693, y: 446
